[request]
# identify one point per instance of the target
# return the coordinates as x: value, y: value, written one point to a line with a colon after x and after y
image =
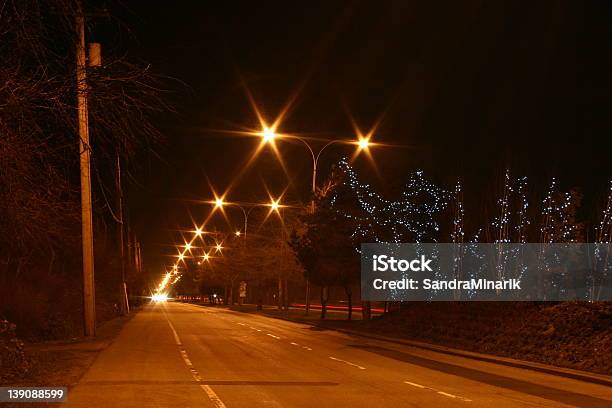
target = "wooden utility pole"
x: 125, y: 305
x: 89, y: 290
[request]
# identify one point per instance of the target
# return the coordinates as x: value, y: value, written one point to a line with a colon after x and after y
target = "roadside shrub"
x: 13, y: 361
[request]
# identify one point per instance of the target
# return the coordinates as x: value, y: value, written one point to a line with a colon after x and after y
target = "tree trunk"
x: 324, y: 297
x: 349, y: 297
x: 259, y: 296
x: 285, y: 295
x: 280, y: 293
x: 367, y: 310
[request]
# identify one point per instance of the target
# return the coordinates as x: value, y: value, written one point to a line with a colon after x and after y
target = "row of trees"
x: 263, y: 259
x: 350, y: 212
x: 324, y: 245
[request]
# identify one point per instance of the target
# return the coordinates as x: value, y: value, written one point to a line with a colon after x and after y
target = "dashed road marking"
x: 271, y: 335
x: 446, y: 394
x: 299, y: 345
x: 212, y: 395
x: 415, y: 384
x: 347, y: 362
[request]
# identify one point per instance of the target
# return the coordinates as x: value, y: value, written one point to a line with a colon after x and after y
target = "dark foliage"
x: 39, y: 184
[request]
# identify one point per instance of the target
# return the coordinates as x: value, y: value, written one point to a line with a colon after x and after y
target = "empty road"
x: 180, y: 355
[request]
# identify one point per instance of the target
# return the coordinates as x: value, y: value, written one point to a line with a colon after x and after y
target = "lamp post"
x: 362, y: 143
x: 274, y: 206
x: 220, y: 203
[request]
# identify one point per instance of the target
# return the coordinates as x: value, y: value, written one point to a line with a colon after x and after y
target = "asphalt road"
x: 179, y: 355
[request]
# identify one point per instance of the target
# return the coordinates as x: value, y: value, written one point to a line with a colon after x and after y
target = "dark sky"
x: 467, y: 88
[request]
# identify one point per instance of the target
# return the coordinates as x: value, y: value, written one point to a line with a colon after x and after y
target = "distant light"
x: 363, y: 143
x: 219, y: 202
x: 181, y: 257
x: 238, y: 233
x: 188, y: 246
x: 268, y: 134
x: 159, y: 297
x: 206, y: 256
x: 198, y: 231
x: 274, y: 205
x: 199, y: 262
x: 218, y: 247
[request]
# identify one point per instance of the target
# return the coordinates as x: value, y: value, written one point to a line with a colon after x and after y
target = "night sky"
x: 464, y: 88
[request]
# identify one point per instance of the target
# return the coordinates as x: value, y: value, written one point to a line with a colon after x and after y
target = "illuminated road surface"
x: 177, y: 355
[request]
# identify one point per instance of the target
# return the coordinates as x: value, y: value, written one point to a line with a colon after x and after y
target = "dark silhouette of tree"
x: 325, y: 247
x: 39, y: 184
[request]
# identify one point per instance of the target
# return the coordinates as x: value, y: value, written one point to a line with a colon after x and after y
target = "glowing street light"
x: 268, y: 134
x: 218, y: 247
x: 159, y: 297
x: 274, y: 205
x: 206, y: 257
x: 219, y: 203
x: 363, y: 143
x: 188, y: 246
x: 198, y: 231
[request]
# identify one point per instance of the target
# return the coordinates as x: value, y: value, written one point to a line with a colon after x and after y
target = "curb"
x: 593, y: 378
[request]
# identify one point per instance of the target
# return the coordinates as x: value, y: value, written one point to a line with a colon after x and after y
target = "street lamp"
x: 268, y: 134
x: 363, y: 143
x: 274, y: 205
x: 220, y: 203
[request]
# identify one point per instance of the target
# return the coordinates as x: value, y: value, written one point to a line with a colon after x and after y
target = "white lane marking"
x: 242, y: 324
x: 212, y: 396
x: 446, y: 394
x: 298, y: 345
x: 271, y: 335
x: 258, y: 330
x: 253, y: 328
x: 347, y: 362
x: 415, y: 384
x: 176, y: 337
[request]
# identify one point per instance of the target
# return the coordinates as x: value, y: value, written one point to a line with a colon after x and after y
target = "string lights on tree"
x: 412, y: 218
